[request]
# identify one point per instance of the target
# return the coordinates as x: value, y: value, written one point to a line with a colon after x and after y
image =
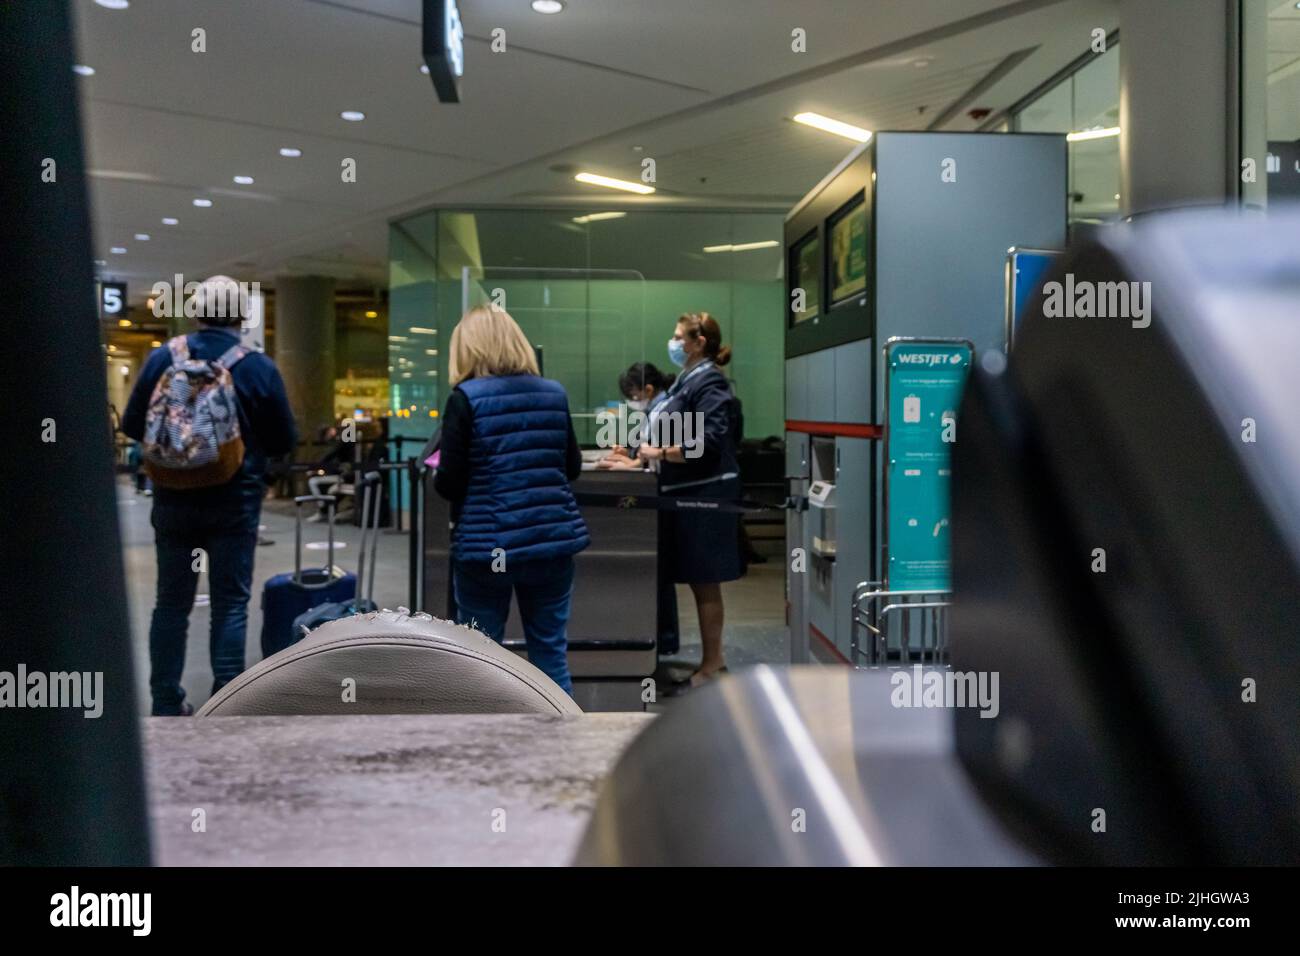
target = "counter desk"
x: 613, y: 625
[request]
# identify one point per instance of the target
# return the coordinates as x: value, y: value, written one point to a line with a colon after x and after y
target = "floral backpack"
x: 191, y: 431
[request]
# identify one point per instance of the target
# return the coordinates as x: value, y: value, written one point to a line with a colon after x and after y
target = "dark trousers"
x: 544, y: 590
x: 226, y: 532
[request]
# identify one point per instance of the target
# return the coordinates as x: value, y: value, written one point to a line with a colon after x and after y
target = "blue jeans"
x: 227, y: 531
x: 544, y: 590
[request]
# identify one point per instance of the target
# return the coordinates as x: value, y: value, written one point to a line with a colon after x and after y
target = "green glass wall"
x: 596, y: 290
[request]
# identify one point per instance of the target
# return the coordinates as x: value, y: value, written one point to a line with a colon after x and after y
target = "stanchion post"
x: 417, y: 535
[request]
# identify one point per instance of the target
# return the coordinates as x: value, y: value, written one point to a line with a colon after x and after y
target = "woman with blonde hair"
x: 507, y: 455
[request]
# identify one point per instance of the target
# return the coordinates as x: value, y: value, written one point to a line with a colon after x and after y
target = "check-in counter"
x: 614, y: 619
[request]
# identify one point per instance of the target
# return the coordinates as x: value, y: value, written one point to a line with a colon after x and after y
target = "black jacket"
x: 704, y: 392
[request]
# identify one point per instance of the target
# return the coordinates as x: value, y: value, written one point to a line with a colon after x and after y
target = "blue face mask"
x: 677, y: 352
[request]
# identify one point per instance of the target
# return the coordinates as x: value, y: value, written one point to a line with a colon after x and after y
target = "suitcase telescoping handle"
x: 329, y: 502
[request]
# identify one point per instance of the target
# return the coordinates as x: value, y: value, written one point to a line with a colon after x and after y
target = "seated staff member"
x: 702, y: 546
x: 507, y: 455
x: 645, y: 388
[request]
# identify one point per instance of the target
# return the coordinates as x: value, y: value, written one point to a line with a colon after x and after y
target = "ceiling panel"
x: 707, y: 89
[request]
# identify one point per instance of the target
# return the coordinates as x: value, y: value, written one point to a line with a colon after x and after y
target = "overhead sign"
x: 444, y: 48
x: 112, y: 300
x: 923, y: 385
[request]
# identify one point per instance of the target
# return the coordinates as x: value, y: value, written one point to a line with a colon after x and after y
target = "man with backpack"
x: 208, y: 414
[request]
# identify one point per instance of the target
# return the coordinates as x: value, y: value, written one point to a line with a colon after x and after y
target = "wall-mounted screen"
x: 830, y: 239
x: 805, y: 270
x: 848, y: 241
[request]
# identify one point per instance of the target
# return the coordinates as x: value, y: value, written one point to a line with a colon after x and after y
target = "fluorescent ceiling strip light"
x: 828, y: 125
x: 1084, y: 135
x: 597, y: 217
x: 594, y: 180
x: 743, y: 247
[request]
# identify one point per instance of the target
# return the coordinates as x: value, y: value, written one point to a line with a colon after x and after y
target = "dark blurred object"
x: 1163, y: 691
x: 71, y: 789
x: 762, y: 476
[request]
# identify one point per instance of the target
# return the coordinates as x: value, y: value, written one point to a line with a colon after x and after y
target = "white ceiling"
x: 705, y: 88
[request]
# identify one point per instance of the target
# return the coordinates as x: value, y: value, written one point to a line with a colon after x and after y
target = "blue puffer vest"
x: 519, y: 497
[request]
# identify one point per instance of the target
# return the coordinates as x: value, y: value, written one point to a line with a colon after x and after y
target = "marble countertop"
x: 473, y: 789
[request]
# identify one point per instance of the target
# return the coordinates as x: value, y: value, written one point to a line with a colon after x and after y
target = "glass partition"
x: 594, y: 289
x: 1085, y: 103
x: 587, y: 326
x: 1279, y: 69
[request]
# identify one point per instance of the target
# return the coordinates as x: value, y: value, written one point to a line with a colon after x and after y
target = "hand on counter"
x: 619, y: 463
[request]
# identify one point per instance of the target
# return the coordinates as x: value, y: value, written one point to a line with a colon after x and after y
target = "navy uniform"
x: 701, y: 547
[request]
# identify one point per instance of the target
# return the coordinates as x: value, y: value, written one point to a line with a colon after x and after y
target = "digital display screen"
x: 805, y: 267
x: 848, y: 232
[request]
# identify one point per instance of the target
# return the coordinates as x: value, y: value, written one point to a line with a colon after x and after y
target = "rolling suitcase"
x: 332, y: 610
x: 288, y: 595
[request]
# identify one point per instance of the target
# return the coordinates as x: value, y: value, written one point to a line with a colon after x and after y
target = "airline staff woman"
x: 692, y: 441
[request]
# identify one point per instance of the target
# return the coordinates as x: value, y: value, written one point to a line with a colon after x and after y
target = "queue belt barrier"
x: 674, y: 503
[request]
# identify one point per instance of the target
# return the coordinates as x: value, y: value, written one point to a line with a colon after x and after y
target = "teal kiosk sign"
x: 923, y: 386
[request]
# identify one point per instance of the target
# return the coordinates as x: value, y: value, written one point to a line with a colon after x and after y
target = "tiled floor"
x: 755, y: 625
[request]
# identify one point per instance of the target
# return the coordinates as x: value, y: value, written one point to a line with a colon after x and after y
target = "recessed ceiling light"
x: 82, y: 70
x: 597, y: 217
x: 291, y: 152
x: 594, y: 180
x: 828, y: 125
x: 169, y: 221
x: 424, y: 68
x: 352, y: 116
x: 244, y: 180
x: 203, y: 203
x: 114, y: 4
x: 142, y: 237
x: 101, y: 262
x: 118, y: 251
x: 548, y: 6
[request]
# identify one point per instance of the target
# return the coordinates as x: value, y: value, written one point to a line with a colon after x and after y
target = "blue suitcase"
x: 286, y: 596
x: 334, y: 610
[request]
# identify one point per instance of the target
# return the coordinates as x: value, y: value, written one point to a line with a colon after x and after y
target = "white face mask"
x: 637, y: 405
